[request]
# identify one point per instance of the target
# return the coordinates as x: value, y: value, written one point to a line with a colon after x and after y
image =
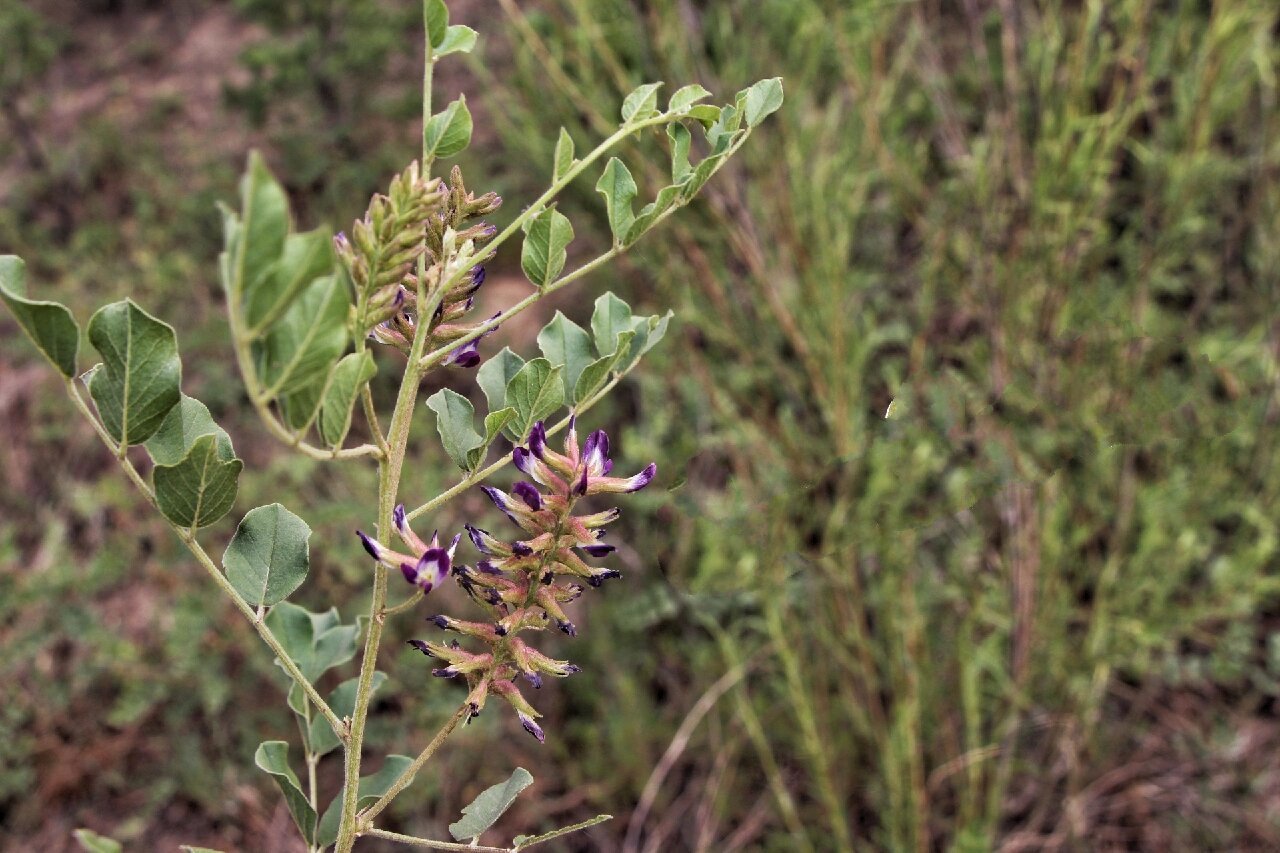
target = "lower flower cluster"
x: 522, y: 584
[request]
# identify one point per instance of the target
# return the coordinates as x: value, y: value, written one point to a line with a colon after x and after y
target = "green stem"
x: 210, y: 566
x: 390, y: 467
x: 367, y: 816
x: 534, y: 209
x: 414, y: 841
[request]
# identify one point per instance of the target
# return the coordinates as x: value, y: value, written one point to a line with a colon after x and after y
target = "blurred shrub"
x: 1043, y: 232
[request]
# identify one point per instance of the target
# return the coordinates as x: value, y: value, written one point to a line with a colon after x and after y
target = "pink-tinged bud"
x: 619, y: 485
x: 405, y: 532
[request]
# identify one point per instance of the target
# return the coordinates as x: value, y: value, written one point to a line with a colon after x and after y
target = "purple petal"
x: 568, y: 627
x: 410, y: 572
x: 527, y: 493
x: 477, y: 275
x: 538, y: 439
x: 523, y: 460
x: 580, y: 488
x: 488, y: 568
x: 599, y: 550
x: 421, y: 646
x: 477, y: 535
x: 644, y: 478
x: 370, y: 544
x: 439, y: 621
x: 535, y: 679
x: 398, y: 516
x: 433, y: 567
x: 520, y: 549
x: 532, y: 727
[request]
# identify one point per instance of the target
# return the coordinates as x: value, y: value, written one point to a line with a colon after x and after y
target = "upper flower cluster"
x: 421, y: 218
x: 523, y: 584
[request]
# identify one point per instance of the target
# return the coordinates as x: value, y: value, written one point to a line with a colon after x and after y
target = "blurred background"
x: 1034, y: 608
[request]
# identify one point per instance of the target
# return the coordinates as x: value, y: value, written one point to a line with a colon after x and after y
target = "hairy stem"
x: 390, y: 467
x: 414, y: 841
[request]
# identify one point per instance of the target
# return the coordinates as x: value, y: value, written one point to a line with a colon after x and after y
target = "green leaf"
x: 668, y: 197
x: 437, y: 18
x: 705, y: 114
x: 455, y: 421
x: 448, y: 132
x: 564, y: 343
x: 700, y: 175
x: 95, y: 843
x: 370, y: 789
x: 495, y: 374
x: 534, y: 392
x: 543, y: 256
x: 315, y: 642
x: 305, y: 258
x: 657, y: 331
x: 681, y: 140
x: 618, y: 188
x: 484, y: 811
x: 493, y: 425
x: 272, y: 757
x: 596, y: 374
x: 720, y: 134
x: 343, y: 702
x: 186, y: 422
x: 303, y: 346
x: 349, y: 376
x: 49, y: 325
x: 611, y: 318
x: 685, y: 97
x: 255, y: 239
x: 268, y: 557
x: 201, y: 488
x: 563, y: 156
x: 642, y: 103
x: 763, y: 99
x: 457, y: 39
x: 140, y: 376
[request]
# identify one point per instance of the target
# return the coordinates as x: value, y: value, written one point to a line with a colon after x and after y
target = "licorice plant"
x: 305, y: 310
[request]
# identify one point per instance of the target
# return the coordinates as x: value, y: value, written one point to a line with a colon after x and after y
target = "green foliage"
x: 535, y: 392
x: 49, y: 325
x: 564, y: 343
x: 619, y: 189
x: 201, y: 488
x: 543, y: 255
x: 455, y: 421
x: 350, y: 374
x: 268, y: 558
x: 272, y: 757
x: 484, y: 811
x: 139, y: 379
x: 448, y: 132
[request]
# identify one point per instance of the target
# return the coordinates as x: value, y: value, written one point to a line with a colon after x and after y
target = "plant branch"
x: 430, y: 844
x: 406, y: 777
x: 210, y: 566
x: 435, y: 357
x: 564, y: 830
